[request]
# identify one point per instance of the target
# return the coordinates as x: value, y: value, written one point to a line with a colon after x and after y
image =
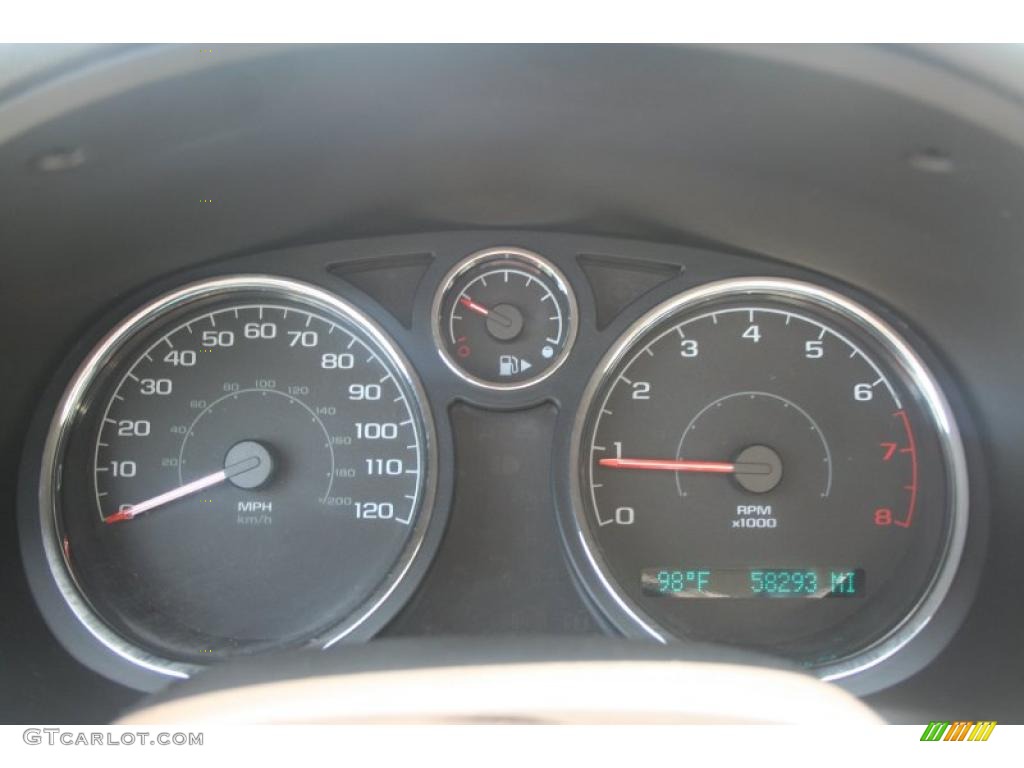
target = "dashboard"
x: 723, y: 372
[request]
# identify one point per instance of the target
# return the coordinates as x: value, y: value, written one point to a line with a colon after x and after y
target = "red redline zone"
x: 911, y: 448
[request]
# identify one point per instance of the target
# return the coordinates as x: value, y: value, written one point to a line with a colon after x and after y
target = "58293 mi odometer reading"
x: 260, y: 461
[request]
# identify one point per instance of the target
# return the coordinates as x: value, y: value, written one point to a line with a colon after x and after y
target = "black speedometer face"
x: 765, y: 464
x: 259, y: 461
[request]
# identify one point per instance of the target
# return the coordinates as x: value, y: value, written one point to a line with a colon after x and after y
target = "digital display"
x: 752, y: 582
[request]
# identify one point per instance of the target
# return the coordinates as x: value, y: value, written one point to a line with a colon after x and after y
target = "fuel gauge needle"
x: 480, y: 309
x: 208, y: 481
x: 471, y: 305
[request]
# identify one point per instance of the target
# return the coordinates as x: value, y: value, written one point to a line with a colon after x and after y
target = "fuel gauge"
x: 504, y: 318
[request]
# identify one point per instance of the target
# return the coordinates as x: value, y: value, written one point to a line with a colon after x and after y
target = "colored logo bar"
x: 959, y: 730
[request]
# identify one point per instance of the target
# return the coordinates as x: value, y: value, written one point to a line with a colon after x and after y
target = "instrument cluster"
x: 260, y: 455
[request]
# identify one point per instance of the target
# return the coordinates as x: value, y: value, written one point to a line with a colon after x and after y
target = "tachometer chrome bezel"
x: 584, y: 552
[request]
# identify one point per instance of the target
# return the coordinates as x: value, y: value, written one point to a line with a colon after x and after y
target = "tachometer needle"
x: 187, y: 489
x: 680, y: 465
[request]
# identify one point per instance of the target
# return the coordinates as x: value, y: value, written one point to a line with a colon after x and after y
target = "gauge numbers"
x: 337, y: 419
x: 260, y: 474
x: 761, y: 439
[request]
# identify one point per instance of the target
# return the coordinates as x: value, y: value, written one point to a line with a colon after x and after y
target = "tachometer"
x: 244, y: 464
x: 765, y: 463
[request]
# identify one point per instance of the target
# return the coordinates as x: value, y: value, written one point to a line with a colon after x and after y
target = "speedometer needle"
x: 187, y: 489
x: 680, y: 465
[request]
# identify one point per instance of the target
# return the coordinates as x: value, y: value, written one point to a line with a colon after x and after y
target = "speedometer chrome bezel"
x: 584, y: 552
x: 75, y: 397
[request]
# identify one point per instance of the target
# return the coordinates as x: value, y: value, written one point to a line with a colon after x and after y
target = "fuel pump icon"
x: 510, y: 365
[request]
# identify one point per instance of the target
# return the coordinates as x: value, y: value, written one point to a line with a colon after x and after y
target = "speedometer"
x: 242, y: 465
x: 767, y: 464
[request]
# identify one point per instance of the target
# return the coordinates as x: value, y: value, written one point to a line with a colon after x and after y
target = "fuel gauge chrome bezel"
x: 557, y: 283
